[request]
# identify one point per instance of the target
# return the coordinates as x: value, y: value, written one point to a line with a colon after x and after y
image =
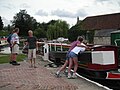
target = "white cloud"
x: 41, y: 13
x: 7, y: 6
x: 5, y: 21
x: 119, y: 4
x: 63, y: 13
x: 102, y: 0
x: 81, y: 13
x: 24, y: 5
x: 69, y: 10
x: 67, y: 14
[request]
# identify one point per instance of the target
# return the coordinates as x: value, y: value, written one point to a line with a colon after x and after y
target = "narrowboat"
x: 101, y: 62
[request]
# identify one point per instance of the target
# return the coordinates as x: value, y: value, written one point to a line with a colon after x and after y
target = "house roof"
x: 108, y: 21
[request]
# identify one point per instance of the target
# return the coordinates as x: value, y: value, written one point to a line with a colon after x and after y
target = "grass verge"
x: 4, y: 58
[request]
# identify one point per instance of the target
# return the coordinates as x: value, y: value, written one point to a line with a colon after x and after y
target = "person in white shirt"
x: 73, y: 58
x: 73, y: 44
x: 15, y: 46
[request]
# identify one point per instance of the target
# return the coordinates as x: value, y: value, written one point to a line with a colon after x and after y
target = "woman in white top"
x: 15, y: 46
x: 73, y: 57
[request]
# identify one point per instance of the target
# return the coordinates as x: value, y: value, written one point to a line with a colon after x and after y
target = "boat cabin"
x: 100, y: 58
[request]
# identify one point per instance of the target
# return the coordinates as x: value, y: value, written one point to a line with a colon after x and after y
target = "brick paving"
x: 24, y: 78
x: 42, y: 78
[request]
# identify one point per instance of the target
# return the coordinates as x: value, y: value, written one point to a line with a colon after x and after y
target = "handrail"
x: 115, y: 41
x: 55, y: 45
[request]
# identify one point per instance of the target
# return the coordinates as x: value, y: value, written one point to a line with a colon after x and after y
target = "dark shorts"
x: 72, y: 54
x: 67, y: 55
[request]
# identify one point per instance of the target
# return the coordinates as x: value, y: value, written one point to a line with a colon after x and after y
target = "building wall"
x: 102, y: 40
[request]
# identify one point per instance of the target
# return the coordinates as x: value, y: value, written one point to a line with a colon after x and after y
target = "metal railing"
x: 115, y: 41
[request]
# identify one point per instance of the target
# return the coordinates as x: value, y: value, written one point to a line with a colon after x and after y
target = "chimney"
x: 77, y: 20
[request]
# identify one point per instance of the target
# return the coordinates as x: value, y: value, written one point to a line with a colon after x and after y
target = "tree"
x: 40, y: 33
x: 3, y: 33
x: 76, y: 31
x: 1, y: 24
x: 8, y: 28
x: 51, y: 32
x: 57, y: 29
x: 43, y: 28
x: 24, y: 22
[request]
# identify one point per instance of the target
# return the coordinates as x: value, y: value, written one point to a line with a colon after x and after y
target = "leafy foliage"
x: 3, y: 33
x: 57, y: 29
x: 90, y: 36
x: 24, y: 22
x: 51, y: 30
x: 1, y: 24
x: 75, y: 31
x: 40, y: 33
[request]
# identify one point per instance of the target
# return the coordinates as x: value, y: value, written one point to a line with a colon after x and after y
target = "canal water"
x: 6, y: 50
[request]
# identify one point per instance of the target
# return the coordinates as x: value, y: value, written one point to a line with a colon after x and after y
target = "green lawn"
x: 4, y: 58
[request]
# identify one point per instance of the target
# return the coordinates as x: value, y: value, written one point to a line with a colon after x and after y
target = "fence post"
x: 46, y: 51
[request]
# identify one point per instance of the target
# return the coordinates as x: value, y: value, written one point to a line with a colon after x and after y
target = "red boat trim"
x: 113, y: 75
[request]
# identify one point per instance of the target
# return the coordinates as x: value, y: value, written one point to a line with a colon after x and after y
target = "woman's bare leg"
x: 75, y: 60
x: 69, y: 67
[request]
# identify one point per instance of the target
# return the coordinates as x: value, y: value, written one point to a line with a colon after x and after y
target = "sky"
x: 66, y: 10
